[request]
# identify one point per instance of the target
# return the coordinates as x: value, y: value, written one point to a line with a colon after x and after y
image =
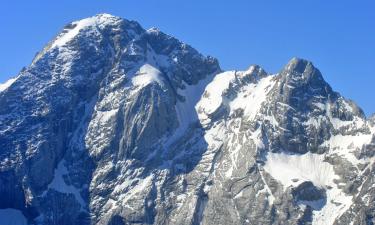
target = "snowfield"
x: 293, y: 169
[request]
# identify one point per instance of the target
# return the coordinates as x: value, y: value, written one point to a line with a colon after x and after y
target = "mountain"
x: 114, y: 124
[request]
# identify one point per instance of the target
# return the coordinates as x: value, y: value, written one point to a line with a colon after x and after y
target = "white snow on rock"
x: 59, y: 184
x: 249, y: 97
x: 98, y: 20
x: 147, y: 74
x: 293, y: 169
x: 105, y: 116
x: 7, y: 84
x: 192, y: 95
x: 12, y: 217
x: 286, y: 167
x: 142, y: 186
x: 337, y: 203
x: 212, y: 97
x: 346, y: 145
x: 186, y: 109
x: 252, y: 96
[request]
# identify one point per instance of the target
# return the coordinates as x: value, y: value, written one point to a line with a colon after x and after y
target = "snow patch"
x: 346, y: 145
x: 287, y: 168
x: 291, y: 170
x: 186, y: 109
x: 7, y: 84
x: 59, y: 184
x: 98, y: 20
x: 64, y: 38
x: 212, y: 97
x: 337, y: 203
x: 147, y: 74
x: 105, y: 116
x: 252, y: 96
x: 314, y: 122
x: 142, y: 185
x: 319, y: 105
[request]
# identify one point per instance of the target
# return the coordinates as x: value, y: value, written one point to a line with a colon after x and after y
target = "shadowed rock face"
x: 114, y: 124
x: 308, y: 192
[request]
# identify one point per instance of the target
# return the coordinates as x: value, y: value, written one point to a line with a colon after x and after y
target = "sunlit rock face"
x: 115, y: 124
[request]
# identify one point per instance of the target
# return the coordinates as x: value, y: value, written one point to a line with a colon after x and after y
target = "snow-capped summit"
x: 7, y: 84
x: 96, y: 22
x: 115, y: 124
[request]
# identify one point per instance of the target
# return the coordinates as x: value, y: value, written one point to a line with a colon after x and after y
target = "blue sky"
x: 338, y: 36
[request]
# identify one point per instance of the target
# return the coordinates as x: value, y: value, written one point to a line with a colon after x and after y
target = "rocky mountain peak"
x: 77, y: 35
x: 255, y: 71
x: 298, y: 65
x: 115, y: 124
x: 301, y: 71
x: 300, y: 81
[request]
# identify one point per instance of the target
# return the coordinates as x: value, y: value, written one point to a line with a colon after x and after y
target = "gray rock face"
x: 114, y: 124
x: 308, y: 192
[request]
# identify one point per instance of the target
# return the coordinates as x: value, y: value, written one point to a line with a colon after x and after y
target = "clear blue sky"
x: 338, y: 36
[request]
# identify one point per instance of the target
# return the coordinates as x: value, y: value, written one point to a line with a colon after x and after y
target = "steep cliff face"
x: 114, y: 124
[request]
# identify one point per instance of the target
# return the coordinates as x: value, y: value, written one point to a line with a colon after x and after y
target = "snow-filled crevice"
x: 58, y: 184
